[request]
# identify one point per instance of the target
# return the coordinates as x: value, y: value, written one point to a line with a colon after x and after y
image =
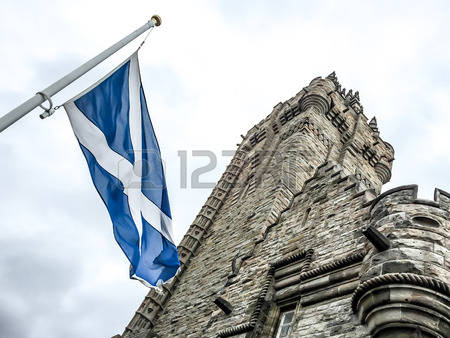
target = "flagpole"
x: 26, y: 107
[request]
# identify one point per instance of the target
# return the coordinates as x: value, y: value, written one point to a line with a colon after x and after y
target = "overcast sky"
x: 210, y: 72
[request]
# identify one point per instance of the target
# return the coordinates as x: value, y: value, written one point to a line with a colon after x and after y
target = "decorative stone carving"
x: 373, y: 124
x: 383, y: 172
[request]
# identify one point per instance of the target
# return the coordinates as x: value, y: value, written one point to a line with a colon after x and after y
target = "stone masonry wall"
x: 284, y: 228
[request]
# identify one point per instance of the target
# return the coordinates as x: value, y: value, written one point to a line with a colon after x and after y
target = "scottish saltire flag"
x: 113, y: 127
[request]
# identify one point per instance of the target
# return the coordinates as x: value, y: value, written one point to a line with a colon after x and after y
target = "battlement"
x: 407, y: 194
x: 323, y: 94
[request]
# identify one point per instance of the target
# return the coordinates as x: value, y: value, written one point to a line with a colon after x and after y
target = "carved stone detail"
x: 392, y: 303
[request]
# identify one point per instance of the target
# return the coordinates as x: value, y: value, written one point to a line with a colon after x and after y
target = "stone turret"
x: 403, y: 287
x: 295, y: 239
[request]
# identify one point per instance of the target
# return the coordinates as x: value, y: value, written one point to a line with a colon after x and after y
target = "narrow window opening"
x: 285, y: 323
x: 425, y: 221
x: 305, y: 217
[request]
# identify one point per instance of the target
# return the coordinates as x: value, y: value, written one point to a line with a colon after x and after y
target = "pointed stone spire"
x: 332, y: 76
x: 358, y: 108
x: 373, y: 124
x: 335, y: 80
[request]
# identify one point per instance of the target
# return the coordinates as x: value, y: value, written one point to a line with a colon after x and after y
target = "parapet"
x: 407, y: 194
x: 404, y: 283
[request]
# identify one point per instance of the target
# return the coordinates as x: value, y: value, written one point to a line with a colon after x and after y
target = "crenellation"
x: 442, y: 198
x: 417, y: 255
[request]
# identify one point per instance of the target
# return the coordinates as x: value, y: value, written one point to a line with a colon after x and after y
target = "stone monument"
x: 296, y: 240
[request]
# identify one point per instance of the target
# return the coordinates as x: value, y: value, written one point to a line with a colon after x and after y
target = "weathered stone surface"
x: 283, y: 229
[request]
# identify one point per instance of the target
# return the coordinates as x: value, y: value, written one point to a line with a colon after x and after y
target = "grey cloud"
x: 61, y: 274
x: 11, y: 324
x: 36, y: 277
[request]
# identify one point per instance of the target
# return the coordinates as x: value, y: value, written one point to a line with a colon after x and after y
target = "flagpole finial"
x: 156, y: 20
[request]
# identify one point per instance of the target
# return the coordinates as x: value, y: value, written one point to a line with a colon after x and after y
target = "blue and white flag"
x: 113, y: 128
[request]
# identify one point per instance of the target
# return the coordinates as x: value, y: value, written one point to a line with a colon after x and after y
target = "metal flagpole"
x: 26, y: 107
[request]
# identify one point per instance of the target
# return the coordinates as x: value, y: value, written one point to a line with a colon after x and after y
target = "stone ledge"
x: 399, y: 278
x: 389, y: 309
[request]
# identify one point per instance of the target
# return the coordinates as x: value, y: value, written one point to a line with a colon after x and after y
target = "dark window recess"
x: 256, y: 160
x: 305, y: 217
x: 275, y: 128
x: 425, y: 221
x: 337, y: 120
x: 251, y: 185
x: 257, y: 137
x: 369, y: 155
x: 289, y: 114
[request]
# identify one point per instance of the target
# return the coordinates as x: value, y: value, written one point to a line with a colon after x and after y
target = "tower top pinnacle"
x: 373, y: 124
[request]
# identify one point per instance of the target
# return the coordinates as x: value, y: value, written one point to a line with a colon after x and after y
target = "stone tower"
x: 296, y: 240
